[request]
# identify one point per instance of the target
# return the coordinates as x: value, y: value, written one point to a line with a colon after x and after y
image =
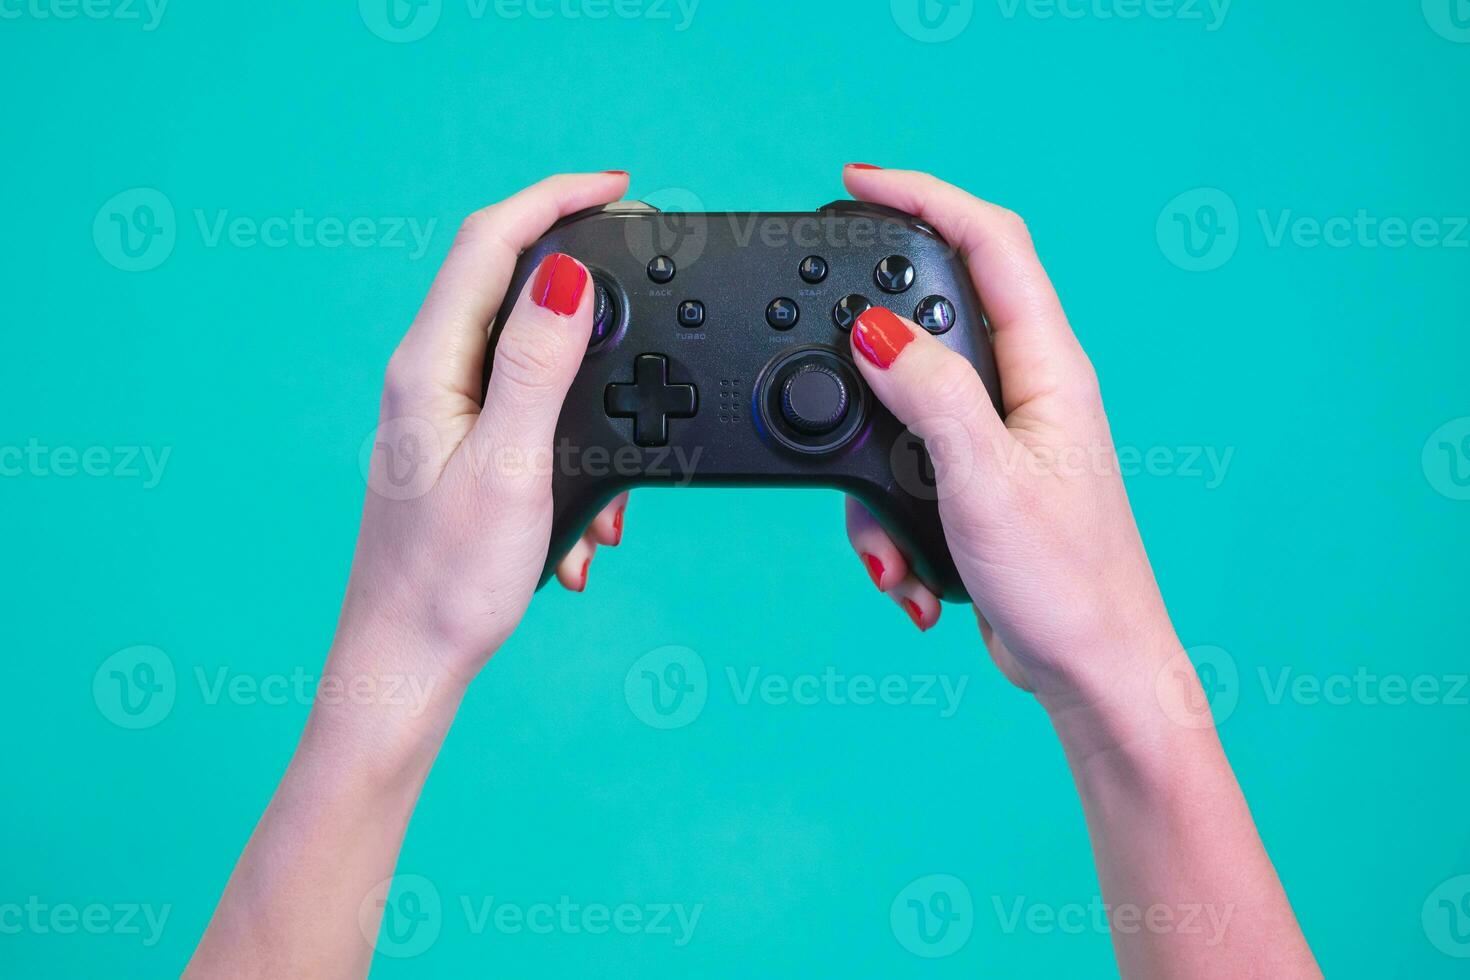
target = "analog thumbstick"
x: 814, y: 400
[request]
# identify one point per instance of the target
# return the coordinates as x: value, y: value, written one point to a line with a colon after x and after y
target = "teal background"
x: 1325, y: 549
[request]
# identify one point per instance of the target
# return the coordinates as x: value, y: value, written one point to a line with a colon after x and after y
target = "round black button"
x: 814, y: 400
x: 894, y: 274
x: 691, y: 313
x: 783, y: 313
x: 661, y: 270
x: 604, y: 312
x: 813, y: 269
x: 935, y: 314
x: 848, y: 309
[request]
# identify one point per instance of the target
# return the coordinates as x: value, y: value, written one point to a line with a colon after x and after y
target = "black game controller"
x: 720, y: 356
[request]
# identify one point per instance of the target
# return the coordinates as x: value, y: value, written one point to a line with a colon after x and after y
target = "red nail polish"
x: 875, y: 569
x: 586, y: 567
x: 915, y: 613
x: 617, y: 173
x: 863, y: 166
x: 618, y: 527
x: 558, y: 284
x: 881, y: 336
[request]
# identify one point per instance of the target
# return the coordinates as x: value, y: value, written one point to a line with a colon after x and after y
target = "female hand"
x: 1033, y: 504
x: 456, y: 524
x: 1040, y: 528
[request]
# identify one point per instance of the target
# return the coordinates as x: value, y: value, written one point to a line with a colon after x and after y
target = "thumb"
x: 536, y: 358
x: 936, y: 394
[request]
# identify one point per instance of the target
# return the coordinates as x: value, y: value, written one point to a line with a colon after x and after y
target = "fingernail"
x: 875, y: 569
x: 617, y: 173
x: 618, y: 527
x: 558, y: 284
x: 863, y: 166
x: 881, y: 336
x: 586, y: 567
x: 915, y: 613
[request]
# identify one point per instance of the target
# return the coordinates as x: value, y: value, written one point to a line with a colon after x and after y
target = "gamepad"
x: 720, y: 356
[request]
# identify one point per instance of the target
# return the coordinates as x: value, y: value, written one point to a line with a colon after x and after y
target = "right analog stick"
x: 814, y: 400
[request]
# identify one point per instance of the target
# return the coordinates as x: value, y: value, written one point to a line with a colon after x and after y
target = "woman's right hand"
x: 1033, y: 504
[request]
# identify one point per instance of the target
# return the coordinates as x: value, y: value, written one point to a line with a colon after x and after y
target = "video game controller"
x: 720, y: 357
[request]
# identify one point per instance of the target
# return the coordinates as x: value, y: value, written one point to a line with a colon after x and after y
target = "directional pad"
x: 650, y: 401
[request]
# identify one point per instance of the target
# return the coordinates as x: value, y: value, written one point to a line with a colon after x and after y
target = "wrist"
x: 381, y: 712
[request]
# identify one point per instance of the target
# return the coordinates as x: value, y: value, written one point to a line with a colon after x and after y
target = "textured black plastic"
x: 736, y: 264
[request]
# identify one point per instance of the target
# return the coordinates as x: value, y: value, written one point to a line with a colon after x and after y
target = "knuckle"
x: 528, y: 359
x: 1015, y: 227
x: 953, y: 388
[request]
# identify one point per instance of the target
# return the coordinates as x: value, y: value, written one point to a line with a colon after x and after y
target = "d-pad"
x: 650, y: 401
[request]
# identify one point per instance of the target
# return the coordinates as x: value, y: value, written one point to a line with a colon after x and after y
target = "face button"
x: 650, y: 401
x: 894, y: 274
x: 813, y: 269
x: 691, y: 313
x: 783, y: 313
x: 604, y: 313
x: 848, y: 309
x: 661, y: 270
x: 814, y: 400
x: 935, y: 314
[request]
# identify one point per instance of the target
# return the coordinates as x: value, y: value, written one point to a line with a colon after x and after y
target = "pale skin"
x: 1042, y: 533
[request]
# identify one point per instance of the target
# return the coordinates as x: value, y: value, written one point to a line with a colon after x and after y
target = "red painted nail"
x: 881, y: 336
x: 558, y: 284
x: 617, y: 173
x: 863, y: 166
x: 915, y: 613
x: 618, y: 527
x: 875, y: 569
x: 586, y: 567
